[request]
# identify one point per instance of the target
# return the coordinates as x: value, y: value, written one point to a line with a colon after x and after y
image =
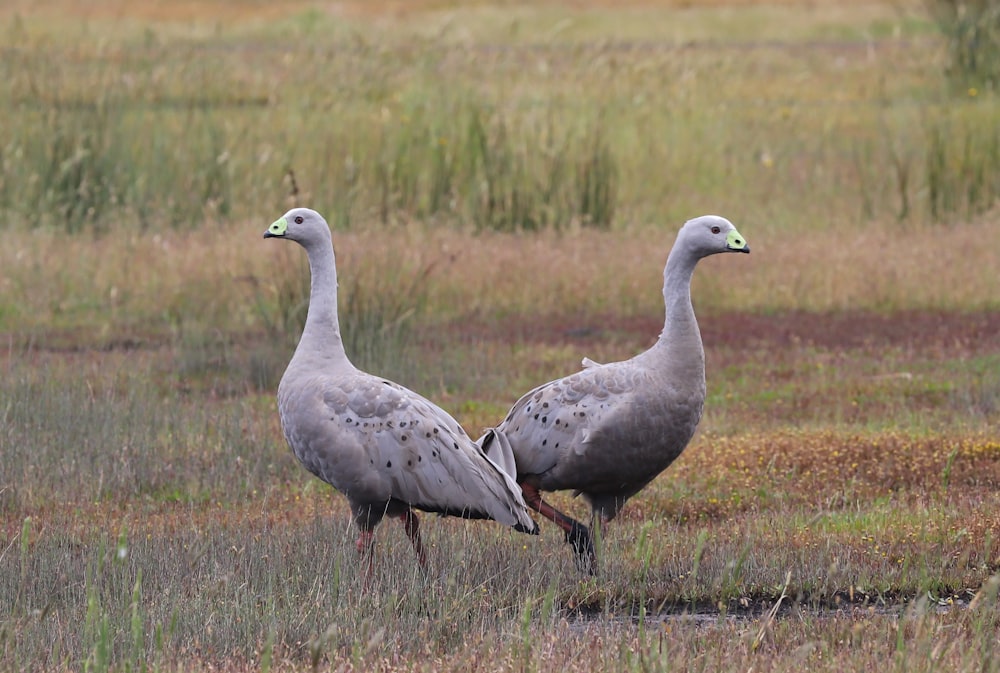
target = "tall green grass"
x: 963, y: 165
x: 972, y: 31
x: 177, y: 148
x: 520, y: 138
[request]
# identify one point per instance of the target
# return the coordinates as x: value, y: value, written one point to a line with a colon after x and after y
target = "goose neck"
x: 321, y: 334
x: 680, y: 340
x: 677, y: 289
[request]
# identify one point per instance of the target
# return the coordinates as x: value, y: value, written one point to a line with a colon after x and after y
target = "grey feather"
x: 608, y: 430
x: 385, y: 447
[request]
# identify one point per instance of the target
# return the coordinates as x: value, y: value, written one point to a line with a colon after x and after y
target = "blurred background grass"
x: 483, y: 117
x: 850, y: 143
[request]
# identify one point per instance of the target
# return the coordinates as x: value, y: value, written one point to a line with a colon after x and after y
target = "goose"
x: 387, y: 448
x: 608, y: 430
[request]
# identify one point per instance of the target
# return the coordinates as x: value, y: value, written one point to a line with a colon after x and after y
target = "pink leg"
x: 577, y: 534
x: 412, y: 525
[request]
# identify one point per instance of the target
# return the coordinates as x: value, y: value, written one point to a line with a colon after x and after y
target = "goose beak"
x: 277, y: 228
x: 736, y: 243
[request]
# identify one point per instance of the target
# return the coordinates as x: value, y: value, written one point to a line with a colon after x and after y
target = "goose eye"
x: 298, y: 220
x: 715, y: 230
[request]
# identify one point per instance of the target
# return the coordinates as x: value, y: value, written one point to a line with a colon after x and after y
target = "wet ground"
x: 840, y: 606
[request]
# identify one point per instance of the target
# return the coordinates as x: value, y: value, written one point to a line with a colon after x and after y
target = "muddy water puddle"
x: 714, y: 618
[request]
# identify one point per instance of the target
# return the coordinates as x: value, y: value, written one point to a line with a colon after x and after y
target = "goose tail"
x: 495, y: 446
x: 497, y: 450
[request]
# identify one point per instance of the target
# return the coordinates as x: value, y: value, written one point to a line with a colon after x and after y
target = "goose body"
x: 608, y: 430
x: 385, y: 447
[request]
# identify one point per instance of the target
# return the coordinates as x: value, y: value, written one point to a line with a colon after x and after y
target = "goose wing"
x: 568, y: 414
x: 415, y: 452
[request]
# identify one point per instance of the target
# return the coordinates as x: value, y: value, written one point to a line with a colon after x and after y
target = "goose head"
x: 302, y: 225
x: 711, y: 234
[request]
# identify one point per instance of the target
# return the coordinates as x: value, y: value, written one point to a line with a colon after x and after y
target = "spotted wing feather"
x: 380, y: 441
x: 566, y: 416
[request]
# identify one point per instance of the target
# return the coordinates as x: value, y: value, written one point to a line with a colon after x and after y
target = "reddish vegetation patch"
x: 830, y: 471
x: 819, y: 465
x: 917, y: 330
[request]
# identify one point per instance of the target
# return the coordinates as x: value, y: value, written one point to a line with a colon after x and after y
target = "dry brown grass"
x: 582, y: 21
x: 242, y: 10
x: 157, y: 10
x: 129, y: 285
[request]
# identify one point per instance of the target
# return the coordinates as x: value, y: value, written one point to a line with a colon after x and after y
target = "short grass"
x: 191, y: 537
x: 847, y: 469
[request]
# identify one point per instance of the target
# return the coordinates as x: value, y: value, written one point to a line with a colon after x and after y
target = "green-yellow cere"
x: 733, y: 240
x: 278, y: 228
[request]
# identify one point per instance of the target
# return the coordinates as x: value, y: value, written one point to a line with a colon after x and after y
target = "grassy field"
x: 505, y: 181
